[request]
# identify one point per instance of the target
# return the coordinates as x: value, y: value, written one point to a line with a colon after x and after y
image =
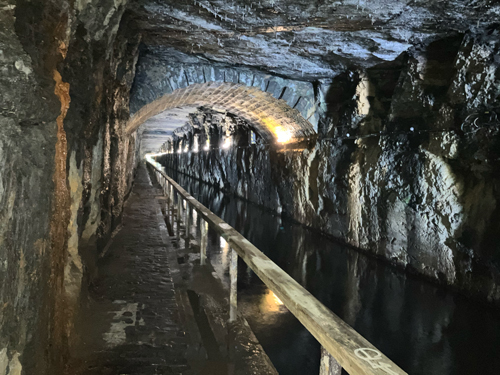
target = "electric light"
x: 282, y: 135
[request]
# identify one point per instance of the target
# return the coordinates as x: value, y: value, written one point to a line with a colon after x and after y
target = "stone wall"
x: 273, y: 118
x: 66, y: 68
x: 157, y: 77
x: 406, y: 167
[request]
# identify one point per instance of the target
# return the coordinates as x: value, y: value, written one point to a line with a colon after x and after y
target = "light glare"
x: 283, y: 135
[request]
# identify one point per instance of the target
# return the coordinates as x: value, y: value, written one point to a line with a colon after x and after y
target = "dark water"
x: 423, y: 328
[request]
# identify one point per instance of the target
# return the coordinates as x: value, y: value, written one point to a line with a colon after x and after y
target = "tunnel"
x: 249, y: 187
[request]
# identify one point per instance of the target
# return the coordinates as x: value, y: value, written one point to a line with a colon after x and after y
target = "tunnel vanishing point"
x: 372, y: 123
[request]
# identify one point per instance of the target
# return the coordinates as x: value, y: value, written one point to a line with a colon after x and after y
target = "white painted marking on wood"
x: 373, y: 356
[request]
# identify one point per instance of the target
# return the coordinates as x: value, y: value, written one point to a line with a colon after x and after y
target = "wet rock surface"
x: 28, y: 111
x: 406, y: 164
x: 312, y: 39
x: 417, y: 214
x: 65, y: 73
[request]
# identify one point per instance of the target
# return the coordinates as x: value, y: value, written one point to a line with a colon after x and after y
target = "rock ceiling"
x: 303, y: 39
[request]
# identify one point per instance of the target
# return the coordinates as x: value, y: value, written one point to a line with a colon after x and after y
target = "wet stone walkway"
x: 131, y: 323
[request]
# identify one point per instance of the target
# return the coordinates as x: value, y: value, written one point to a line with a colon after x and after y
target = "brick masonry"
x: 260, y: 108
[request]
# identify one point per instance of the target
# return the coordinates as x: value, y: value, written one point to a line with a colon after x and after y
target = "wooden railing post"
x: 172, y: 210
x: 233, y: 285
x: 179, y: 215
x: 167, y: 194
x: 328, y: 364
x: 188, y: 225
x: 203, y: 242
x: 233, y: 308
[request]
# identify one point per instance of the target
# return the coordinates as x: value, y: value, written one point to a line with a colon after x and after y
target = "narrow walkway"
x: 132, y: 323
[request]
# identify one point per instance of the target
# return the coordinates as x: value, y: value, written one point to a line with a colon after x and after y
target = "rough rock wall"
x: 305, y: 40
x: 406, y: 167
x: 27, y: 127
x: 65, y: 76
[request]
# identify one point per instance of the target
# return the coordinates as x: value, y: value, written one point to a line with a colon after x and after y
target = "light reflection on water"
x: 423, y: 328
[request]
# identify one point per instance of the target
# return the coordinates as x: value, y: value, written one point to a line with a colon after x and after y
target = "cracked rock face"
x: 304, y: 39
x: 65, y: 76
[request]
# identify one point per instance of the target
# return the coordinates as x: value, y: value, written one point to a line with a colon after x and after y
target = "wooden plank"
x: 329, y: 365
x: 233, y: 285
x: 351, y: 350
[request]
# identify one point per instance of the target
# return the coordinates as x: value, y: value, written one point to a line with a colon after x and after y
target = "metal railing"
x: 342, y: 346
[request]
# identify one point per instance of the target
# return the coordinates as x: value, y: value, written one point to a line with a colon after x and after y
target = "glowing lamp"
x: 282, y: 135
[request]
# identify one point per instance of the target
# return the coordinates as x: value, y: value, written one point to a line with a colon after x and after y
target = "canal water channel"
x: 424, y: 328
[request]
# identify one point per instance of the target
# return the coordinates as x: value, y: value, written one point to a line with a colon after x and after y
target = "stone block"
x: 260, y: 81
x: 290, y: 96
x: 194, y: 74
x: 297, y: 89
x: 304, y: 106
x: 246, y: 77
x: 274, y: 88
x: 209, y: 73
x: 231, y: 76
x: 219, y: 74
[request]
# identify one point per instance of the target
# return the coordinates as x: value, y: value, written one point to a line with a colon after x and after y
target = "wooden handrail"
x: 351, y: 350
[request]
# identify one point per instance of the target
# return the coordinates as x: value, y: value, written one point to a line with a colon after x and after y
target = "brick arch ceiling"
x: 273, y: 118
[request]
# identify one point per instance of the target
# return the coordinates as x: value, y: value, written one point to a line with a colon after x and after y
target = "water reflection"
x: 270, y: 303
x: 423, y: 328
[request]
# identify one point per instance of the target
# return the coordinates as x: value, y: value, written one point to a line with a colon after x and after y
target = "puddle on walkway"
x: 425, y: 329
